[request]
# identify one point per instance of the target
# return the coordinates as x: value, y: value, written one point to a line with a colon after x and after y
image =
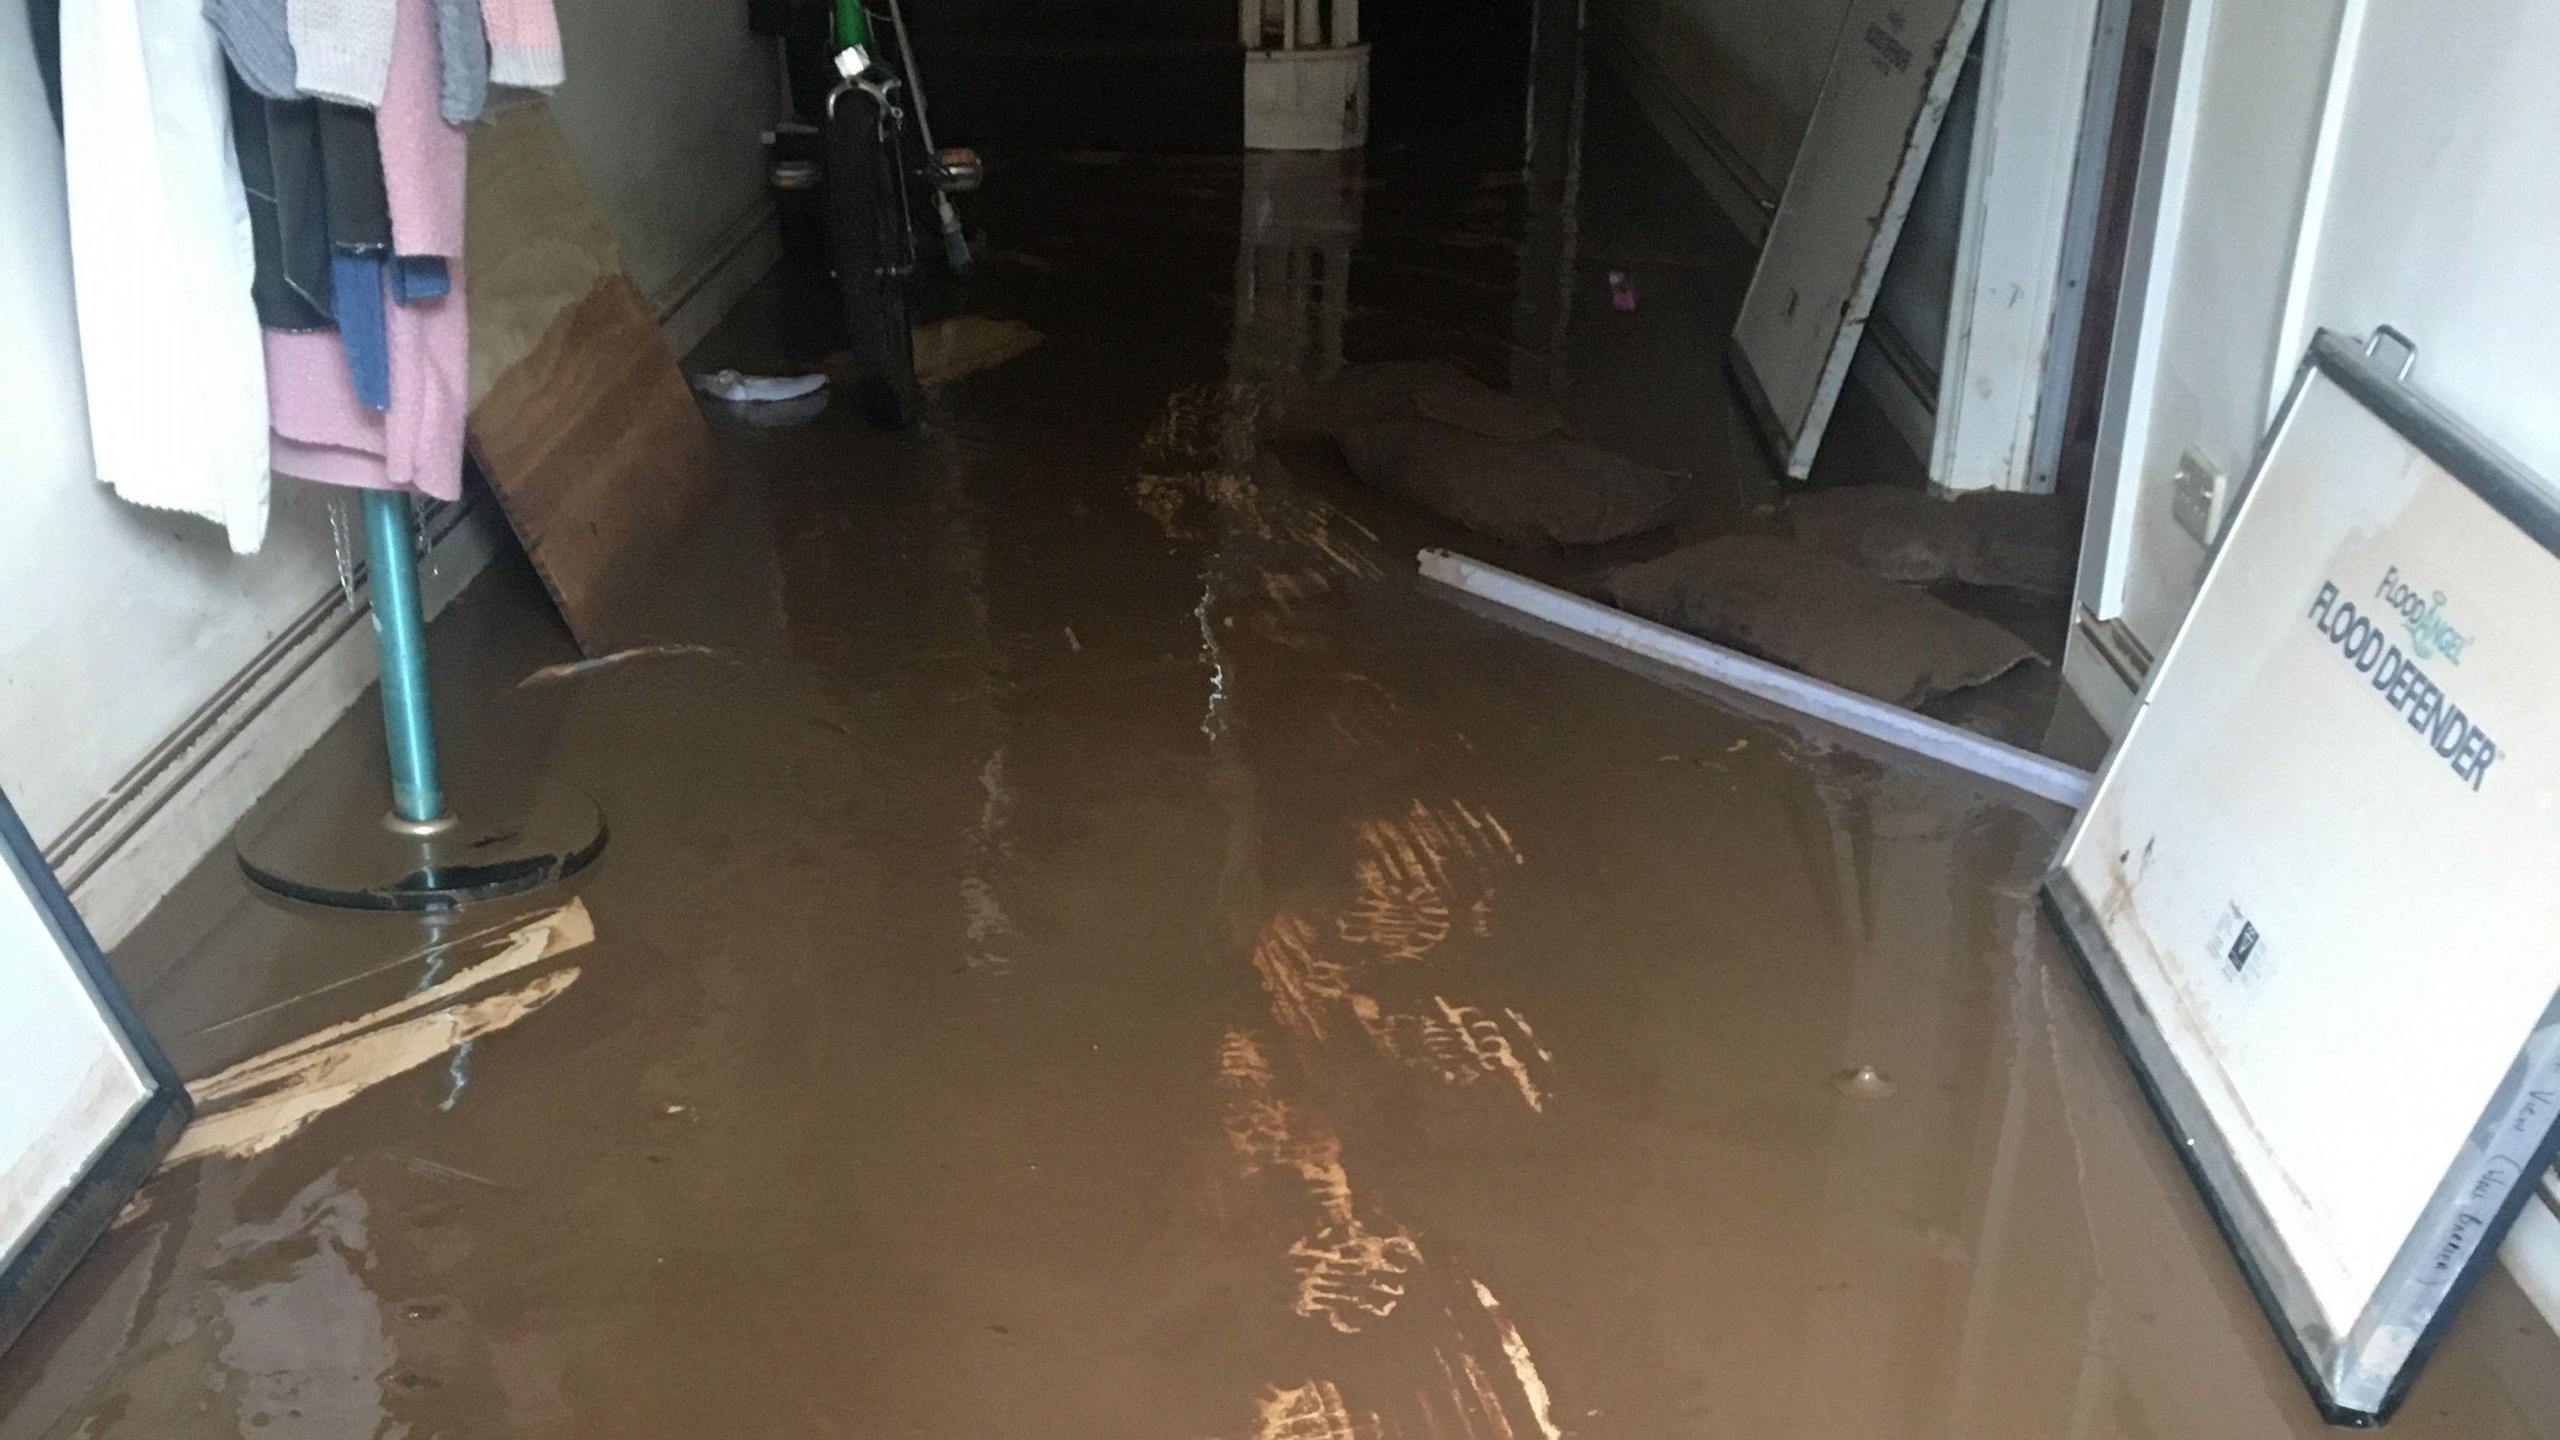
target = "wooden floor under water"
x: 1090, y: 947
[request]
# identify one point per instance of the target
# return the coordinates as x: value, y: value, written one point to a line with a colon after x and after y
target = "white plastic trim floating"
x: 2005, y: 765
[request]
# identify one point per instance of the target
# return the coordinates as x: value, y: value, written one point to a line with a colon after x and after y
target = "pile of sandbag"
x: 1499, y: 465
x: 1836, y: 602
x: 1819, y: 615
x: 1992, y: 537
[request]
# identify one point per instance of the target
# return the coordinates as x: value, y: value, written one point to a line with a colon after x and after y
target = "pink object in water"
x: 1622, y: 290
x: 322, y: 431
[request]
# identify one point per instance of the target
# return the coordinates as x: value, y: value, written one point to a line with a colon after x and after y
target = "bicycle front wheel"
x: 873, y: 246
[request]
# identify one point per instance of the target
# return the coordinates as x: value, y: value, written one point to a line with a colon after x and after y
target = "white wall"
x: 665, y: 110
x: 2258, y: 101
x: 2443, y: 216
x: 45, y: 417
x: 152, y: 684
x: 2429, y: 205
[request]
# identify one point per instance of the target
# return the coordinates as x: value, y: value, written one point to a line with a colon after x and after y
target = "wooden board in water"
x: 581, y: 420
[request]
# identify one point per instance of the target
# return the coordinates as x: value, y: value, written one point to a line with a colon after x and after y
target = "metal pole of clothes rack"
x: 319, y: 840
x: 400, y: 633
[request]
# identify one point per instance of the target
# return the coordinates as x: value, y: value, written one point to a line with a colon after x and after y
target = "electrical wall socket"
x: 2200, y: 497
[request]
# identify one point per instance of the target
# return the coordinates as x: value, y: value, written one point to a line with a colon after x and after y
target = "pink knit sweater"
x: 322, y: 431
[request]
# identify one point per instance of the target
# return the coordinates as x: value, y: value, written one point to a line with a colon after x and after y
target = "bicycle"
x: 879, y: 154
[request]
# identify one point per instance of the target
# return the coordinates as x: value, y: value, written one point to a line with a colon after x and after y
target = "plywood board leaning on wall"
x: 1891, y: 79
x: 580, y: 419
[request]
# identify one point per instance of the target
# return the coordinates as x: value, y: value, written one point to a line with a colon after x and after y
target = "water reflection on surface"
x: 1112, y: 957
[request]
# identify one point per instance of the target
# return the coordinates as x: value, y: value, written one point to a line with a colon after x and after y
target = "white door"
x: 1892, y: 74
x: 86, y: 1104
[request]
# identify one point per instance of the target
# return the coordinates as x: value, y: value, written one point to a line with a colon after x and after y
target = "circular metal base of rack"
x: 329, y: 843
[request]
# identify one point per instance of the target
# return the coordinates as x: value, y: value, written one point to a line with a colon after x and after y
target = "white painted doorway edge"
x: 2019, y: 254
x: 2133, y: 361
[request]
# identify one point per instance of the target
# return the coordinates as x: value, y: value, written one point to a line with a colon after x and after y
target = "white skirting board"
x: 182, y: 800
x: 702, y: 296
x: 1891, y: 725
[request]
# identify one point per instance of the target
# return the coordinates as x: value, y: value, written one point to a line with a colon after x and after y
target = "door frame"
x: 2157, y: 217
x: 2027, y: 239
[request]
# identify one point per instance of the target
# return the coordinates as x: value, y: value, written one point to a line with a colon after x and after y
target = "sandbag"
x: 1994, y: 538
x: 1361, y: 394
x: 1549, y: 491
x: 962, y: 345
x: 1405, y: 389
x: 1819, y: 615
x: 1487, y: 412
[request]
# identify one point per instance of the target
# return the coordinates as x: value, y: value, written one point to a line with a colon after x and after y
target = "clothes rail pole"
x: 390, y: 537
x: 325, y: 841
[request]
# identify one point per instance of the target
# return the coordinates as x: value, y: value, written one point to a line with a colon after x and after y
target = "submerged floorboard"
x: 1089, y: 949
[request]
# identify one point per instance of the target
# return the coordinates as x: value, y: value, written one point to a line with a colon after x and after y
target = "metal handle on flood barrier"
x: 399, y: 627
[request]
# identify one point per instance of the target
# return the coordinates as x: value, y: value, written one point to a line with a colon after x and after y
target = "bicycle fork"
x: 951, y: 170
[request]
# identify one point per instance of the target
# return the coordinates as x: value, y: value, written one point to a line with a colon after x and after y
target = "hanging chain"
x: 341, y: 540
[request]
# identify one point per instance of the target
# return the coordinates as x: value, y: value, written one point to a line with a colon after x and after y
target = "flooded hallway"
x: 1092, y: 943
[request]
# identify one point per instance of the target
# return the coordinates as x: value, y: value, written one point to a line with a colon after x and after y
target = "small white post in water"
x: 1311, y: 91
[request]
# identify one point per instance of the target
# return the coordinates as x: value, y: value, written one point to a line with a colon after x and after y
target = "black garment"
x: 278, y: 144
x: 351, y: 159
x: 313, y: 173
x: 301, y: 188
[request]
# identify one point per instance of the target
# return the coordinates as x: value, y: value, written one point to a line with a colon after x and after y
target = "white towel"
x: 161, y: 264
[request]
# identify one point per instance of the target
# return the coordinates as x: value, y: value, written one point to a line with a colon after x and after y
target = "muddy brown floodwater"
x: 1090, y: 948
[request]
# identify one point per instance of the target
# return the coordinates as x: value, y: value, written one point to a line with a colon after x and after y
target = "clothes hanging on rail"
x: 163, y: 264
x: 359, y: 218
x: 420, y: 277
x: 338, y: 226
x: 325, y: 427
